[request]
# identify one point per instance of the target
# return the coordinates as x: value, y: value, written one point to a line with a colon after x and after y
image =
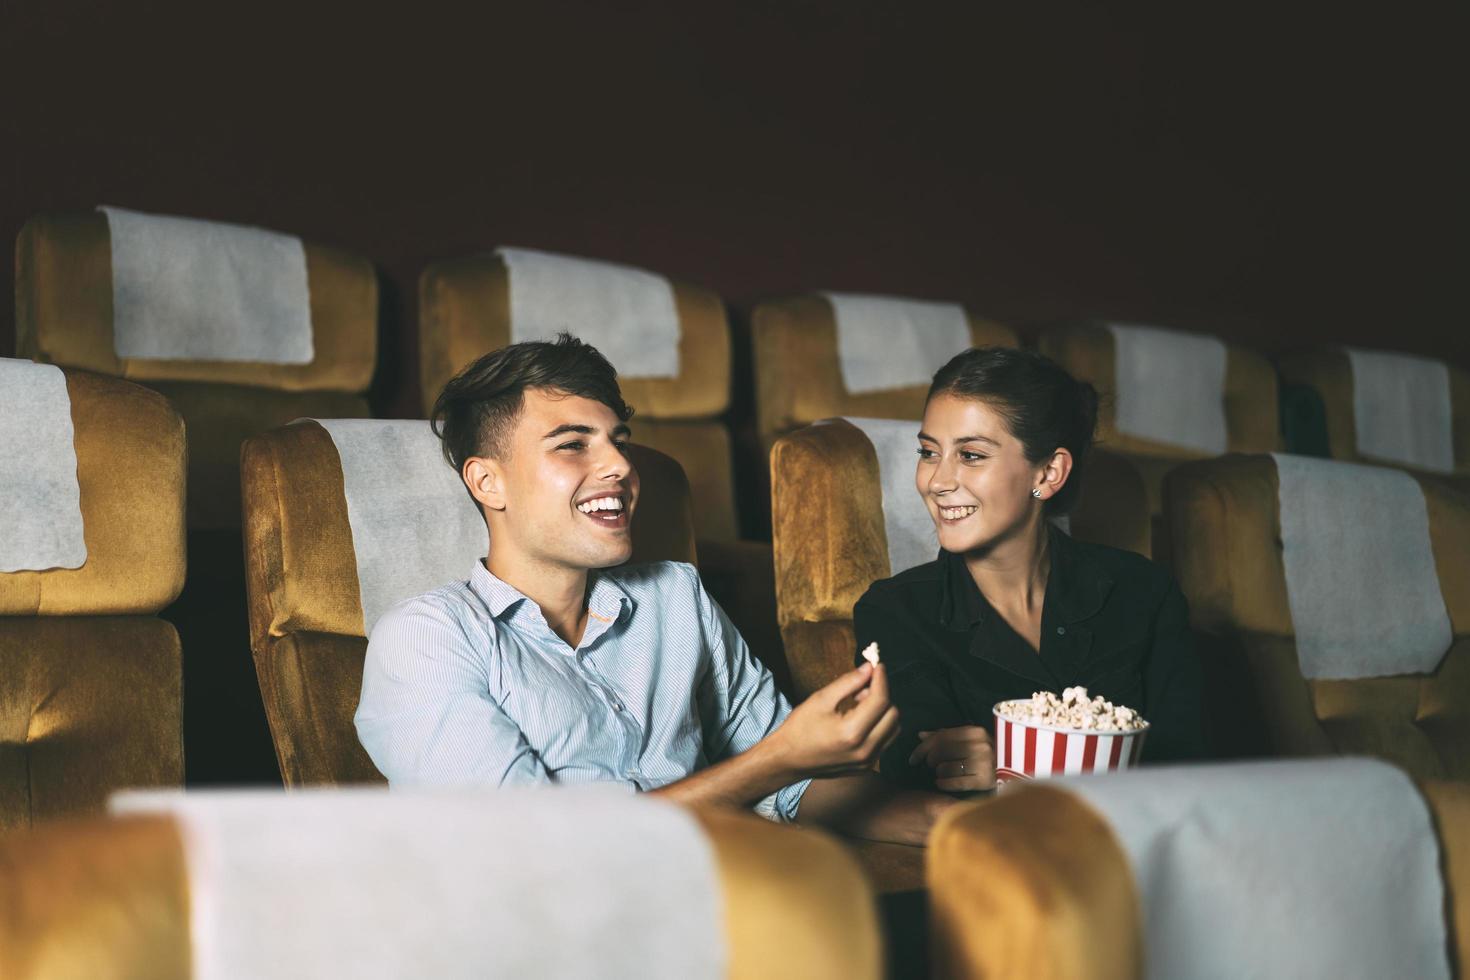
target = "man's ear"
x: 486, y: 481
x: 1054, y: 474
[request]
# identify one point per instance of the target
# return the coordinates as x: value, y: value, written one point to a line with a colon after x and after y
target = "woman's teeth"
x: 955, y: 513
x: 601, y: 503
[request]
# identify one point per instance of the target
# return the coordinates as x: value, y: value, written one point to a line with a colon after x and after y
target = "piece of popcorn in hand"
x: 870, y: 653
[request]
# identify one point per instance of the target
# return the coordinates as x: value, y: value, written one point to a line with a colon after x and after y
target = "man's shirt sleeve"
x: 426, y: 716
x: 739, y: 702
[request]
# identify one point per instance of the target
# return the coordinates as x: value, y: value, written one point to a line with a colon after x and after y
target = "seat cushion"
x: 818, y: 653
x: 1251, y: 415
x: 795, y: 902
x: 95, y: 898
x: 703, y: 450
x: 310, y: 683
x: 1225, y: 531
x: 1114, y: 507
x: 799, y: 375
x: 218, y: 420
x: 1328, y: 372
x: 88, y: 705
x: 1449, y: 805
x: 1032, y: 884
x: 64, y: 313
x: 464, y: 312
x: 827, y: 528
x: 130, y: 469
x: 112, y: 898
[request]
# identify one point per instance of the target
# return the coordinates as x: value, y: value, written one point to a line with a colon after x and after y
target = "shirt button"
x: 617, y: 706
x: 1061, y: 631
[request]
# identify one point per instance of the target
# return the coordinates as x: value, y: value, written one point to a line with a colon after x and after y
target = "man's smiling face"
x: 568, y: 489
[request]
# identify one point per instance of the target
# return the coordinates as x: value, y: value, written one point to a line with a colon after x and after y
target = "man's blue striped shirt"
x: 469, y: 685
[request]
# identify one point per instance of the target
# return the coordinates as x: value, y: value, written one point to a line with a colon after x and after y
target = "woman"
x: 1013, y: 605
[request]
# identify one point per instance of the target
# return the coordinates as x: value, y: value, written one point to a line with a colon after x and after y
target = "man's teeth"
x: 955, y: 513
x: 601, y: 503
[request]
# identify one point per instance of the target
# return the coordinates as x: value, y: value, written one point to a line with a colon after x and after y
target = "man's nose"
x: 612, y: 462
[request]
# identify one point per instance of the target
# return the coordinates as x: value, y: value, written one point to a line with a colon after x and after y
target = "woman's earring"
x: 1035, y: 492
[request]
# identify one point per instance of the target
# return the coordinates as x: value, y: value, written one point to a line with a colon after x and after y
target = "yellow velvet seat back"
x: 798, y: 375
x: 64, y: 316
x: 830, y: 542
x: 90, y: 678
x: 464, y: 312
x: 1225, y: 524
x: 111, y: 898
x: 1036, y: 884
x: 1250, y: 396
x: 306, y: 617
x: 1329, y: 373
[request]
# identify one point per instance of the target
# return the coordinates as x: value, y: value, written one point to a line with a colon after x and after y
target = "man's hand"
x: 842, y: 728
x: 962, y: 758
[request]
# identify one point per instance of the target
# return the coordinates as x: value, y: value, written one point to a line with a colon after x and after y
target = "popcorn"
x: 1073, y: 710
x: 870, y: 654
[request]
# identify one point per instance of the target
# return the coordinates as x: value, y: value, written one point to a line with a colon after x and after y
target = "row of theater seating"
x: 1237, y: 870
x: 306, y: 620
x: 93, y: 676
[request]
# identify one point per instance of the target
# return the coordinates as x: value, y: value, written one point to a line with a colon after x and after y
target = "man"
x: 552, y: 665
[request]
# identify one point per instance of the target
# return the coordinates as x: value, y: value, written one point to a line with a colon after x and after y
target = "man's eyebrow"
x: 582, y: 429
x: 563, y: 429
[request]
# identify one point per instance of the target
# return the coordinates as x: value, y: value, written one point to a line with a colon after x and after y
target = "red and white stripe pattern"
x: 1025, y: 752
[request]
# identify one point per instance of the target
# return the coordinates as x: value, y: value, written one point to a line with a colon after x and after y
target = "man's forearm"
x: 864, y: 805
x: 741, y: 781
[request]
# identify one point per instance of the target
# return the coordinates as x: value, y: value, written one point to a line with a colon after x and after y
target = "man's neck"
x: 559, y: 591
x: 1014, y: 572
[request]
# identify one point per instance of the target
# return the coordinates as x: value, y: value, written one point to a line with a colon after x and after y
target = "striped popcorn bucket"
x: 1033, y: 751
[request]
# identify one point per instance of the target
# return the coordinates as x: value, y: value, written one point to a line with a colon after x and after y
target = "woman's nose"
x: 942, y: 477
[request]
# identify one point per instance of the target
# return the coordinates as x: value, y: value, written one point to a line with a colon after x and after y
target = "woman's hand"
x: 842, y: 728
x: 962, y: 758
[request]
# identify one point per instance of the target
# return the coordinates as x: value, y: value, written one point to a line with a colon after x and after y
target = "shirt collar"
x: 1076, y: 586
x: 607, y: 600
x: 497, y: 594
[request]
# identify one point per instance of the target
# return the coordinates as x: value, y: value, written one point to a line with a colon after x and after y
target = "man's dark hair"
x: 1045, y: 408
x: 477, y: 409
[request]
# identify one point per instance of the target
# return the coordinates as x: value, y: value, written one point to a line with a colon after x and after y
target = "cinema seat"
x: 307, y: 610
x: 723, y: 894
x: 67, y: 314
x: 1404, y: 411
x: 64, y: 316
x: 1166, y: 428
x: 1279, y: 681
x: 845, y: 513
x: 90, y: 684
x: 465, y: 309
x: 799, y: 363
x: 1038, y: 883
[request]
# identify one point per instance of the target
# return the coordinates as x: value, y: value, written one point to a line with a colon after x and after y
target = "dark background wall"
x: 1281, y: 178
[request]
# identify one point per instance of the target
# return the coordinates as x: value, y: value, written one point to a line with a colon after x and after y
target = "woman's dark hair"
x: 1045, y: 408
x: 475, y: 412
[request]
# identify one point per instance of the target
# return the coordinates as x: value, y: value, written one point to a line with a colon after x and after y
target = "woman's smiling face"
x: 973, y: 475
